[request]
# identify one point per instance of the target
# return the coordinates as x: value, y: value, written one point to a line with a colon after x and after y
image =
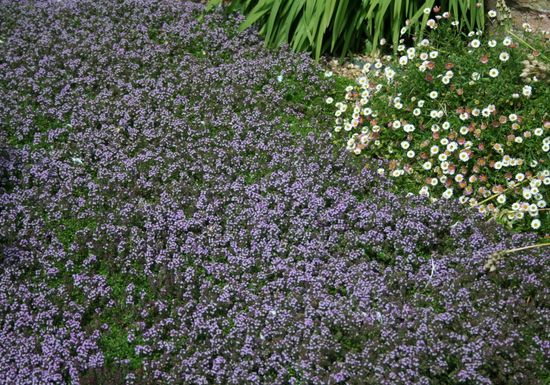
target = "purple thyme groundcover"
x: 166, y: 217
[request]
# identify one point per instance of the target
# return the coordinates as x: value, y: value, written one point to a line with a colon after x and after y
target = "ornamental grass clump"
x: 460, y: 117
x: 170, y: 217
x: 343, y: 27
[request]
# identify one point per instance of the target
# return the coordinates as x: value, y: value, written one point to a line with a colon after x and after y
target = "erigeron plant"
x: 452, y: 116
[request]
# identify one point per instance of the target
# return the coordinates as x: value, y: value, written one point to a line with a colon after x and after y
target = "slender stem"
x: 527, y: 44
x: 525, y: 248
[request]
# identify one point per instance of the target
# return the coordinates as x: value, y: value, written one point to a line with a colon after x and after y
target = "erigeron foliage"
x: 456, y: 119
x: 166, y: 219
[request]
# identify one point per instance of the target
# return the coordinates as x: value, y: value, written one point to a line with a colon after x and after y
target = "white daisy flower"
x: 434, y: 94
x: 520, y: 176
x: 451, y: 147
x: 424, y: 191
x: 493, y: 73
x: 448, y: 193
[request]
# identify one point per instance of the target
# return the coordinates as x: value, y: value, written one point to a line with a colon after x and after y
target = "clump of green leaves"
x: 341, y: 26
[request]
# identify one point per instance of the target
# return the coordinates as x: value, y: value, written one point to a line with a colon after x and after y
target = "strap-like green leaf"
x: 261, y: 9
x: 273, y: 13
x: 339, y: 21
